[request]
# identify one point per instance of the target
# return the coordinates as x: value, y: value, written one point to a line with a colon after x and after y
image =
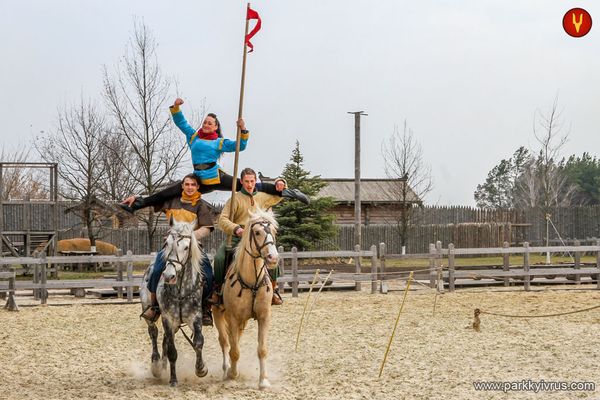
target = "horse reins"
x: 257, y: 270
x: 180, y: 281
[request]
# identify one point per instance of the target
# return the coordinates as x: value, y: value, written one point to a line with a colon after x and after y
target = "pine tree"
x: 303, y: 225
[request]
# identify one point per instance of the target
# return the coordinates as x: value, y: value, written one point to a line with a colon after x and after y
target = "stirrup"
x: 152, y: 318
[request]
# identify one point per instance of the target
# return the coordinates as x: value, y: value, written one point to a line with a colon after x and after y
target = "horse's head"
x: 181, y: 248
x: 259, y: 237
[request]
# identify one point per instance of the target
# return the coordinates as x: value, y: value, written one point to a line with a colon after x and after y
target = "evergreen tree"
x: 584, y: 173
x: 303, y: 225
x: 498, y: 190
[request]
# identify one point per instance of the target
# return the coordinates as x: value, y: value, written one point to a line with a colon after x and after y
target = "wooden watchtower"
x: 27, y: 224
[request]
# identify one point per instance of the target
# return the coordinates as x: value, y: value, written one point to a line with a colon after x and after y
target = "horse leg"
x: 263, y: 332
x: 165, y: 351
x: 171, y: 351
x: 201, y: 369
x: 221, y: 326
x: 153, y: 332
x: 235, y: 332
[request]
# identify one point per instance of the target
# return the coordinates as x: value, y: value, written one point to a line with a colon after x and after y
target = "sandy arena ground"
x: 102, y: 352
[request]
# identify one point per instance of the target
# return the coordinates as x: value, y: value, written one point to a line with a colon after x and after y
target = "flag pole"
x: 239, y: 131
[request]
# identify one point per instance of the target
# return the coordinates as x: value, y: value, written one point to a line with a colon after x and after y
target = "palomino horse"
x: 179, y: 296
x: 247, y: 293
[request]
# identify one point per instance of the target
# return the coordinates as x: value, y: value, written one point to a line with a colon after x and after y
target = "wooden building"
x: 380, y: 199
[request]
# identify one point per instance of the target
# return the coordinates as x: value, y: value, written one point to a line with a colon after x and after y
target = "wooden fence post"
x: 120, y: 273
x: 129, y: 278
x: 357, y: 261
x: 374, y: 269
x: 598, y: 264
x: 438, y: 266
x: 526, y: 276
x: 451, y: 267
x: 382, y: 250
x: 281, y: 266
x: 577, y: 265
x: 294, y: 272
x: 11, y: 303
x: 506, y: 263
x: 43, y: 280
x: 36, y: 278
x: 432, y: 271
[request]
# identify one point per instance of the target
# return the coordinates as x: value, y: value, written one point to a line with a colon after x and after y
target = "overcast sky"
x: 467, y: 76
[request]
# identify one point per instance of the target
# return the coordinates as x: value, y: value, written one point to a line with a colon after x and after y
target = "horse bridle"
x: 178, y: 261
x: 267, y: 228
x: 253, y: 240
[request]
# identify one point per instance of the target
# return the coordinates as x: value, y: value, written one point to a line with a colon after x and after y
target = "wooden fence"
x: 439, y: 277
x: 463, y: 226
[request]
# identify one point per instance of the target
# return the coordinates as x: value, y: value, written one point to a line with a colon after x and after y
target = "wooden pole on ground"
x: 410, y: 277
x: 305, y: 306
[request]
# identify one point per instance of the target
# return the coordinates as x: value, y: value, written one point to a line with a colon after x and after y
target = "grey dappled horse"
x: 179, y: 296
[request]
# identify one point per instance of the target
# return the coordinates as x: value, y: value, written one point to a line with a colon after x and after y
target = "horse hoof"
x: 173, y: 384
x: 232, y: 375
x: 156, y: 370
x: 264, y: 384
x: 201, y: 372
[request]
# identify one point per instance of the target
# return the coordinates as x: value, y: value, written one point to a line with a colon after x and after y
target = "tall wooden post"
x: 357, y: 211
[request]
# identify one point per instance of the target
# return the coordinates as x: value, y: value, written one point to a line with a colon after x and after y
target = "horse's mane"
x: 187, y: 229
x: 254, y: 216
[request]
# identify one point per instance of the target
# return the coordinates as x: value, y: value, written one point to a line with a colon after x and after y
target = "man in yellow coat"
x: 244, y: 201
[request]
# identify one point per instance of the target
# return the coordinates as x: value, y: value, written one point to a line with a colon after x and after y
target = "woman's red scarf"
x: 207, y: 136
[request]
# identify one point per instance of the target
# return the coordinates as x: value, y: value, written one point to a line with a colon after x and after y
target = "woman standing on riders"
x: 207, y: 145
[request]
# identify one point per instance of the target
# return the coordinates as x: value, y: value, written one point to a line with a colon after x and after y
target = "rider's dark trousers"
x: 159, y: 267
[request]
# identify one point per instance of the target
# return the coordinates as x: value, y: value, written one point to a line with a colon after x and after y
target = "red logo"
x: 577, y: 22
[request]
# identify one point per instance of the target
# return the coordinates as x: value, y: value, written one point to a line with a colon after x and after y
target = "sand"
x: 82, y: 351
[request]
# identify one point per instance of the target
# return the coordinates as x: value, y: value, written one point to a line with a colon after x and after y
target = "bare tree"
x: 77, y: 146
x: 544, y: 183
x: 118, y: 182
x: 21, y: 182
x: 403, y: 158
x: 136, y: 94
